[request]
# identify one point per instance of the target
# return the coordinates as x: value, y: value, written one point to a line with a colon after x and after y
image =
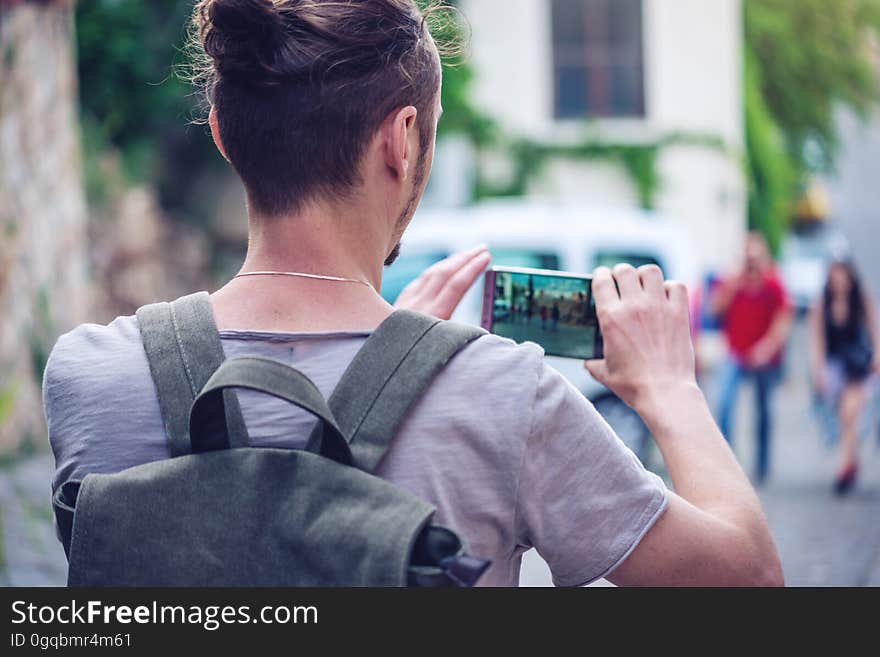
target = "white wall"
x: 693, y: 56
x: 693, y: 84
x: 511, y: 51
x: 693, y: 65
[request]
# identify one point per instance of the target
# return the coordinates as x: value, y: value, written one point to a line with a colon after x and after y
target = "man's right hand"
x: 713, y: 531
x: 646, y: 331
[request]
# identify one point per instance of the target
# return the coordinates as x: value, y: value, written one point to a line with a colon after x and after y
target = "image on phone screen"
x: 553, y: 309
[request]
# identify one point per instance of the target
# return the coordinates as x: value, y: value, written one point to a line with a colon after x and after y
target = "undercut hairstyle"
x: 300, y: 87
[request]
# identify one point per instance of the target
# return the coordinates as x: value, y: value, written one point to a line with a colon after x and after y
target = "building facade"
x: 619, y: 72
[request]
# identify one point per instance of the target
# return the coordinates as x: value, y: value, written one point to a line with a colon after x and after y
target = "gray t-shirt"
x: 511, y: 454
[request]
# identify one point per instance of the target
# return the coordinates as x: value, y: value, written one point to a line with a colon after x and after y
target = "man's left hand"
x: 439, y: 290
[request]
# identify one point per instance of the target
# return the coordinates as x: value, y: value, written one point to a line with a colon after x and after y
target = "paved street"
x: 823, y: 540
x: 30, y: 555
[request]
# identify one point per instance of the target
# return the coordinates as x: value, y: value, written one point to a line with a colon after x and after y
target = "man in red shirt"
x: 756, y: 316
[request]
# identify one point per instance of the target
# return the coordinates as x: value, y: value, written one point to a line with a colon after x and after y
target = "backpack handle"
x: 207, y: 418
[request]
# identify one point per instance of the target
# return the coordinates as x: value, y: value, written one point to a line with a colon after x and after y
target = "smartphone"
x: 554, y: 309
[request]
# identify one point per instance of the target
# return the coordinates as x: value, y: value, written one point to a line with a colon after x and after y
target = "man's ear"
x: 401, y: 141
x: 215, y: 132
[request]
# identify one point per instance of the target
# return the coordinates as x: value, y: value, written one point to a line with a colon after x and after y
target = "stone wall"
x: 44, y: 287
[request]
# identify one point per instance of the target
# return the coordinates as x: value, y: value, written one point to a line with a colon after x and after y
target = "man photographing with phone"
x: 334, y: 145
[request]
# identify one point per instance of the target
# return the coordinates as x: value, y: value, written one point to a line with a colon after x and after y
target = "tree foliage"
x: 804, y: 60
x: 127, y: 52
x: 771, y: 176
x: 449, y: 28
x: 134, y: 101
x: 814, y: 55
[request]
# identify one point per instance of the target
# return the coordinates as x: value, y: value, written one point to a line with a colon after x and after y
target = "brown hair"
x: 301, y: 86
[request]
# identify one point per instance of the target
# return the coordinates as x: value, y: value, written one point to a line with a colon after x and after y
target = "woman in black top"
x: 843, y: 333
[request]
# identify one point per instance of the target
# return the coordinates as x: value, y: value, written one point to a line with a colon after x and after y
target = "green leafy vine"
x: 639, y: 162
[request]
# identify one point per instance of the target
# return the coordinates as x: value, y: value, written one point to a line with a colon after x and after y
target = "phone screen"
x: 554, y: 309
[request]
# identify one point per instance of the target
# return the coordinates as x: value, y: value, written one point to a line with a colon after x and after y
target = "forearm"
x: 873, y: 324
x: 703, y: 469
x: 817, y: 342
x: 776, y: 337
x: 816, y: 358
x: 713, y: 530
x: 720, y: 300
x: 781, y: 329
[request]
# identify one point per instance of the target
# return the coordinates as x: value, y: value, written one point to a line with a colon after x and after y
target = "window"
x: 597, y: 58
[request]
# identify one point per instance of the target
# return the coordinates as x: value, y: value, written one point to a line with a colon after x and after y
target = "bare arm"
x: 780, y: 329
x: 714, y: 531
x: 773, y: 342
x: 817, y: 347
x: 722, y: 296
x: 874, y: 328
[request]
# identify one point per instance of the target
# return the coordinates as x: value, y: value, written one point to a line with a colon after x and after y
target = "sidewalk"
x: 823, y: 539
x: 30, y: 555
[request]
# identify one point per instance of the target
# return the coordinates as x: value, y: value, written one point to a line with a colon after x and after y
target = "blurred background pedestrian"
x: 843, y: 337
x: 756, y: 318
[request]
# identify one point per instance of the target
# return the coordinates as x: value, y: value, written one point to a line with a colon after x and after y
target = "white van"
x: 547, y: 235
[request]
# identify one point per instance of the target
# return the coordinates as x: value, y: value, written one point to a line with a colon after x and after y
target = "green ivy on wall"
x: 638, y: 161
x: 772, y: 174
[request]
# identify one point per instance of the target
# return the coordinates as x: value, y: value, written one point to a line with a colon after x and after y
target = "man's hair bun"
x: 240, y: 36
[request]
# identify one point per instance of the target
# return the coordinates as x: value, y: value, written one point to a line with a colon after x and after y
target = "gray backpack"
x: 222, y: 513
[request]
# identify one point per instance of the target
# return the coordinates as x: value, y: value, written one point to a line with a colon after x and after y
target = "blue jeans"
x: 730, y: 376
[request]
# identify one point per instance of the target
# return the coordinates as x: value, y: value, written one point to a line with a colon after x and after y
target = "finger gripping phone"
x: 554, y: 309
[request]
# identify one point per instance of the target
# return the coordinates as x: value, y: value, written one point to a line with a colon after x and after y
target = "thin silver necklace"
x: 297, y: 274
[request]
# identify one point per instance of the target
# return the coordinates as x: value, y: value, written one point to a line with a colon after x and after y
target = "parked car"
x: 552, y: 236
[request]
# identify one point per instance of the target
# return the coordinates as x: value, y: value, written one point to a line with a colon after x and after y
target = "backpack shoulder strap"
x: 388, y: 375
x: 184, y: 349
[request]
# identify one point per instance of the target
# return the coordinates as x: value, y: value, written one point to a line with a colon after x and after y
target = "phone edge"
x: 488, y: 300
